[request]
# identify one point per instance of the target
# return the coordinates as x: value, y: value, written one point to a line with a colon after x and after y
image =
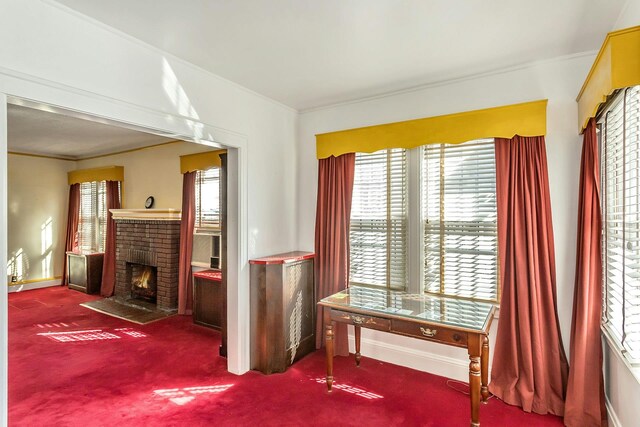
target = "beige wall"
x: 38, y: 196
x: 39, y: 191
x: 153, y: 171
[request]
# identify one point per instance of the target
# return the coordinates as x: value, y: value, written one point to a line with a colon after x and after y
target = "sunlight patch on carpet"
x: 182, y: 396
x: 54, y: 325
x: 131, y: 332
x: 92, y: 335
x: 350, y: 389
x: 71, y: 336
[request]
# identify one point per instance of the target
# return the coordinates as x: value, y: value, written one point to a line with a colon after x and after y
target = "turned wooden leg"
x: 474, y: 388
x: 357, y: 332
x: 484, y: 369
x: 329, y: 351
x: 474, y: 347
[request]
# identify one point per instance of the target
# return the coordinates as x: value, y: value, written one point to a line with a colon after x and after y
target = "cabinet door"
x: 77, y: 270
x: 206, y: 302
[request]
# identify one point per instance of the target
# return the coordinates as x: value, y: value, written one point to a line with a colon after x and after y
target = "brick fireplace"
x: 147, y: 255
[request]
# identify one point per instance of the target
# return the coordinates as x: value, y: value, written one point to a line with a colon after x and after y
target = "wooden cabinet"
x: 283, y: 310
x: 207, y: 298
x: 85, y: 272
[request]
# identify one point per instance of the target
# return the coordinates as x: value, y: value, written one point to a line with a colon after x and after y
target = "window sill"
x: 207, y: 231
x: 615, y: 348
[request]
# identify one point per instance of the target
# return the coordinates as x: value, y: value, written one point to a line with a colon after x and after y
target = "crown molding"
x: 446, y: 82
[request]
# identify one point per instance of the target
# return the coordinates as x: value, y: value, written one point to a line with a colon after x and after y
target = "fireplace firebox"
x: 144, y: 285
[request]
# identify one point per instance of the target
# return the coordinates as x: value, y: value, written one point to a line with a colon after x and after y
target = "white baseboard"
x: 436, y: 364
x: 34, y: 285
x: 614, y: 421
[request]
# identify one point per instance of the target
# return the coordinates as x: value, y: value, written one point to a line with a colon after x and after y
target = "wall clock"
x: 149, y: 202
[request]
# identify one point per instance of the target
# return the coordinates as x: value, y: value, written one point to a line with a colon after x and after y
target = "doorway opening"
x: 54, y: 142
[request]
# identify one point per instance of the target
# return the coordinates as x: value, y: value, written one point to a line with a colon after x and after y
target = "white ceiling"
x: 39, y: 132
x: 309, y: 53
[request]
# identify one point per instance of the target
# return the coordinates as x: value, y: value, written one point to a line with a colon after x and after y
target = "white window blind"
x: 460, y: 219
x: 378, y: 235
x: 620, y: 160
x: 93, y: 216
x: 208, y: 198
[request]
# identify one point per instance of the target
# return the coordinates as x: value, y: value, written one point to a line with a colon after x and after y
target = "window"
x: 460, y: 220
x: 378, y: 235
x: 452, y: 248
x: 93, y: 216
x: 208, y: 199
x: 620, y: 166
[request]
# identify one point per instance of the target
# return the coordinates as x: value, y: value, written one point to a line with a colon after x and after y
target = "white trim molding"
x: 4, y: 328
x: 34, y: 285
x: 614, y: 421
x: 36, y: 92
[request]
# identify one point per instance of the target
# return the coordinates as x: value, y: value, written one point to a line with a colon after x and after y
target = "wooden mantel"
x: 147, y: 214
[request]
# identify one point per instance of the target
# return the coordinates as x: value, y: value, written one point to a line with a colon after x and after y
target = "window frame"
x: 415, y: 233
x: 208, y: 227
x: 442, y: 157
x: 99, y: 222
x: 372, y: 221
x: 609, y: 330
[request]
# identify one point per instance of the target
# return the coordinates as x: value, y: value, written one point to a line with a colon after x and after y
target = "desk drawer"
x: 365, y: 321
x: 432, y: 333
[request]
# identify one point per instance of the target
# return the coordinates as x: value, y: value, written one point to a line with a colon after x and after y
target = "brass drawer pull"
x: 358, y: 320
x: 428, y: 332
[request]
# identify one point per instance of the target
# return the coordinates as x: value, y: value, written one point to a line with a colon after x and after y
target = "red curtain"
x: 109, y: 263
x: 73, y: 218
x: 585, y: 404
x: 187, y: 224
x: 333, y: 212
x: 529, y: 363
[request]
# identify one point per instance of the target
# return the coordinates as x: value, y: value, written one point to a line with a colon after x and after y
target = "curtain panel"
x: 530, y: 366
x: 585, y: 404
x: 333, y: 213
x: 73, y: 218
x: 109, y: 262
x: 187, y: 224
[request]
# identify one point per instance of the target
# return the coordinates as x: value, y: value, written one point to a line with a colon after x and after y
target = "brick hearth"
x: 149, y: 242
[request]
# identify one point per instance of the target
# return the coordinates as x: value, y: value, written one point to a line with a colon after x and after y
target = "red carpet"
x: 70, y: 366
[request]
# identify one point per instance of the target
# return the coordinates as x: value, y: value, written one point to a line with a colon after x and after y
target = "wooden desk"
x: 450, y: 321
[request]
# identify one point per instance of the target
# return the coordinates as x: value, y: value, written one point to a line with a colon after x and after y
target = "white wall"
x: 37, y: 206
x: 153, y: 171
x: 629, y: 17
x: 52, y: 55
x: 558, y: 81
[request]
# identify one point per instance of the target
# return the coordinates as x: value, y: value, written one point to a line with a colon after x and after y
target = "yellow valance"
x: 527, y: 119
x: 617, y: 66
x: 200, y: 161
x: 107, y: 173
